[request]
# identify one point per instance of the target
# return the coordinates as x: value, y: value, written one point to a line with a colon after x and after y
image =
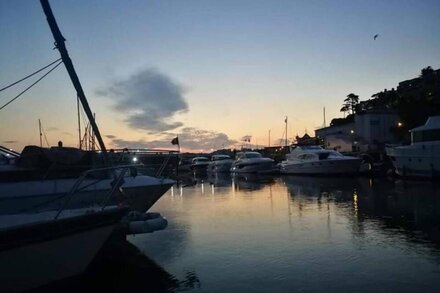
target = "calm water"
x: 285, y: 234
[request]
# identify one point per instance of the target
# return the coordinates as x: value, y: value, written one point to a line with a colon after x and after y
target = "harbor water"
x: 298, y: 234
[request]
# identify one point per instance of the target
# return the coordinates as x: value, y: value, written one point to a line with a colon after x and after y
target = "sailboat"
x: 35, y: 166
x: 44, y: 239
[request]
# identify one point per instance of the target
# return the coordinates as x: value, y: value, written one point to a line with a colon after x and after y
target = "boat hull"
x: 324, y: 167
x: 262, y: 167
x: 34, y: 255
x: 220, y: 167
x: 18, y: 197
x: 410, y: 161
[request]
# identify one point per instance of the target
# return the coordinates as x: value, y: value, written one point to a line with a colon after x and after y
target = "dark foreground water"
x: 299, y: 234
x: 281, y: 234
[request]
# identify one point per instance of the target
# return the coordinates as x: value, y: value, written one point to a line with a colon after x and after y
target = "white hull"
x: 16, y: 197
x: 33, y: 265
x: 416, y: 161
x: 324, y: 167
x: 253, y: 168
x: 219, y: 167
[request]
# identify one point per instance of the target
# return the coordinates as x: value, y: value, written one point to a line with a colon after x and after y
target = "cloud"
x: 67, y: 133
x: 149, y: 99
x: 110, y: 136
x: 52, y: 129
x: 190, y: 138
x: 10, y: 141
x: 246, y: 138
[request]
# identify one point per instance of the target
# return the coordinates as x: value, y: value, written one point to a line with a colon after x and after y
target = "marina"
x: 181, y: 188
x: 292, y: 233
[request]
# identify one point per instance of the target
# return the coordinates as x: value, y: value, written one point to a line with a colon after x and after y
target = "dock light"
x: 352, y: 131
x: 135, y: 159
x: 399, y: 124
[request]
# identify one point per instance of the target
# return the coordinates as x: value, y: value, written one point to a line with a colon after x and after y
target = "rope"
x: 32, y: 74
x: 25, y: 90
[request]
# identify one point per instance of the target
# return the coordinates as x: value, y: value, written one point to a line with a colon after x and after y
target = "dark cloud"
x: 110, y: 136
x: 189, y: 138
x: 148, y: 99
x: 10, y: 141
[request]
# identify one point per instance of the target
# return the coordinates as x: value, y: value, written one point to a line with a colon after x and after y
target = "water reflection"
x: 121, y: 267
x: 289, y: 233
x: 251, y: 182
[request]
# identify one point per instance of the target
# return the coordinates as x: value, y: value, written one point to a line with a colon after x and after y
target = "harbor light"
x: 135, y: 159
x: 399, y: 124
x: 352, y: 131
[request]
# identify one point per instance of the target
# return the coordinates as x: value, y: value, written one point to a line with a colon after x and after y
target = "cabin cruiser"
x: 252, y: 162
x: 220, y: 163
x: 313, y: 159
x: 199, y: 164
x: 422, y: 157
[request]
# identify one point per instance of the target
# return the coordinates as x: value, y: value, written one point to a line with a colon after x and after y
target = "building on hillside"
x: 375, y: 129
x: 370, y: 131
x: 338, y: 137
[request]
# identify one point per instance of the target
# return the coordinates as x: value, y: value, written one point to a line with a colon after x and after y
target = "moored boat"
x: 199, y: 164
x: 252, y: 162
x: 315, y: 160
x: 220, y: 163
x: 40, y: 248
x: 422, y: 157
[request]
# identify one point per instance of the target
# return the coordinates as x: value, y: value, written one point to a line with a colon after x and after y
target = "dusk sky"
x: 211, y: 72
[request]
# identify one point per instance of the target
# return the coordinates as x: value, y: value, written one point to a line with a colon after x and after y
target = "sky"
x: 211, y: 72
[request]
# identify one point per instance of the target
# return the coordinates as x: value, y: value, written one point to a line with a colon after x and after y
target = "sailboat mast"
x: 59, y: 43
x: 79, y: 123
x: 41, y: 134
x: 286, y: 129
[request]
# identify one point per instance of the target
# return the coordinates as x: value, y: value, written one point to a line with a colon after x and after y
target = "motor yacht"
x: 220, y: 163
x: 199, y: 164
x: 317, y: 160
x: 252, y: 162
x: 422, y: 157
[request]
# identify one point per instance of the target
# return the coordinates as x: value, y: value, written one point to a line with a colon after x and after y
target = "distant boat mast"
x: 59, y: 43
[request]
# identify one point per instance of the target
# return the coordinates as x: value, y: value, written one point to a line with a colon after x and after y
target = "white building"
x: 369, y: 131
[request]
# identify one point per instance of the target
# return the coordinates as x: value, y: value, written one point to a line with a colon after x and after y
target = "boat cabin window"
x: 220, y: 158
x: 324, y: 155
x: 425, y: 135
x: 306, y: 157
x: 252, y: 155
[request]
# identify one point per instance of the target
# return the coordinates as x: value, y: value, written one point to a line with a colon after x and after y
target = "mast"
x: 79, y: 123
x: 41, y: 134
x: 269, y: 137
x: 286, y: 129
x: 59, y: 43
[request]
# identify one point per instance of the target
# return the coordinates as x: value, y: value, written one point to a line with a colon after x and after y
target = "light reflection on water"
x: 283, y: 234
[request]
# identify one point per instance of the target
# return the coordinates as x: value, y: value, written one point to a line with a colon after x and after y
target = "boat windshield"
x: 200, y: 160
x: 220, y: 158
x: 426, y: 135
x: 253, y: 155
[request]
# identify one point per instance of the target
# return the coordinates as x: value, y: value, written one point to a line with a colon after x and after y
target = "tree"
x: 350, y: 103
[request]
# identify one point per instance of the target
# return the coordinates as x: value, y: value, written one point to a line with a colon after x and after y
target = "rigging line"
x: 32, y: 74
x: 45, y: 138
x: 26, y: 89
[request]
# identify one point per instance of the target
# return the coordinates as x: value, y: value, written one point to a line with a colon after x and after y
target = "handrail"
x: 116, y: 183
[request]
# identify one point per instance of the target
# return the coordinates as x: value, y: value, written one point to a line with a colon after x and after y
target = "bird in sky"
x: 375, y: 36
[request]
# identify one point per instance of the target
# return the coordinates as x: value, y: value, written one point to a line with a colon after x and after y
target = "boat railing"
x: 116, y: 183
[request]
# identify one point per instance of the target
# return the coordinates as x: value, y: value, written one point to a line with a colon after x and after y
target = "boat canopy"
x: 428, y: 132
